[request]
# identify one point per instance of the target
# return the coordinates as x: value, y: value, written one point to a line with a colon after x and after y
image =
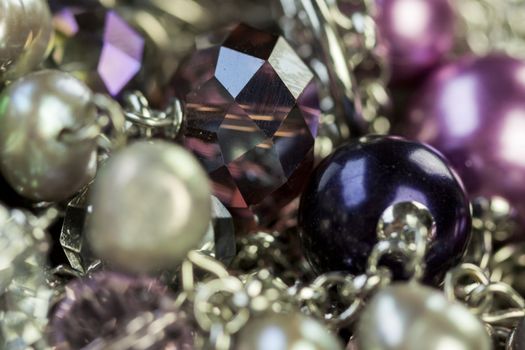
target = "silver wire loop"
x: 148, y: 120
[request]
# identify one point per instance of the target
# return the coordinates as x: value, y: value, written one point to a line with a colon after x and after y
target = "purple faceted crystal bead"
x: 416, y: 34
x: 473, y: 111
x: 252, y: 114
x: 97, y: 311
x: 98, y: 46
x: 348, y: 192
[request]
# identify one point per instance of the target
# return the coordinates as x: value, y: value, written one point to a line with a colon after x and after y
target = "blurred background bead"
x: 414, y: 317
x: 350, y: 190
x: 252, y: 114
x: 169, y: 30
x: 151, y: 205
x: 98, y: 46
x: 416, y: 34
x: 99, y: 308
x: 352, y: 345
x: 25, y: 36
x: 24, y: 294
x: 36, y: 113
x: 473, y: 111
x: 285, y: 332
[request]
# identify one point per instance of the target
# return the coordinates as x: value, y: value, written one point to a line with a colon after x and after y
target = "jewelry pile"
x: 271, y: 175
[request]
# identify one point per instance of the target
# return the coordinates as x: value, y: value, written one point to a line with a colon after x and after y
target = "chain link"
x: 147, y: 122
x: 359, y: 34
x: 492, y: 25
x: 485, y: 281
x: 338, y: 40
x: 265, y: 277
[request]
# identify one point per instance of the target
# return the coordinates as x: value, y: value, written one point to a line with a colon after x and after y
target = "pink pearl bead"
x: 473, y: 111
x: 416, y: 34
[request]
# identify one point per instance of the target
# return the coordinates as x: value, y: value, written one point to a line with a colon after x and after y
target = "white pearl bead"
x: 35, y: 112
x: 414, y: 317
x: 286, y: 332
x: 151, y: 204
x: 25, y: 34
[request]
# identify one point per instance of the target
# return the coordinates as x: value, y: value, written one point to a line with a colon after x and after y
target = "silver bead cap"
x: 406, y: 221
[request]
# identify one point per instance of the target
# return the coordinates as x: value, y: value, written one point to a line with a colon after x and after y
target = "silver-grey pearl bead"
x: 286, y: 332
x: 36, y: 112
x: 151, y: 205
x: 414, y: 317
x: 25, y: 35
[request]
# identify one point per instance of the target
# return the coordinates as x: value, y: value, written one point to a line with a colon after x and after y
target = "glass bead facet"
x: 98, y: 46
x: 98, y: 310
x: 252, y: 114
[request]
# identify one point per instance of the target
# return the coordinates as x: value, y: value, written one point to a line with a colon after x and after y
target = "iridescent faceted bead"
x: 252, y: 114
x: 98, y: 46
x: 98, y: 310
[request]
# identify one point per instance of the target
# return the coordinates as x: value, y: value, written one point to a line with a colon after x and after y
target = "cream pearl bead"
x: 151, y: 204
x: 286, y: 332
x: 414, y: 317
x: 35, y: 112
x: 25, y: 34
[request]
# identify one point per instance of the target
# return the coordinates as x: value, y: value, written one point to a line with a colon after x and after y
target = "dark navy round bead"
x: 346, y: 195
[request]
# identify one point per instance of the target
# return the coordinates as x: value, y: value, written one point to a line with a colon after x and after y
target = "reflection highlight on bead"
x: 154, y: 187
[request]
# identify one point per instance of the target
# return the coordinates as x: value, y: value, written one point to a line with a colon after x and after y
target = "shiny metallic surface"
x: 25, y: 34
x: 72, y: 237
x: 411, y: 316
x: 472, y: 110
x: 406, y: 220
x: 145, y: 121
x: 284, y: 332
x: 341, y: 80
x: 338, y: 39
x: 516, y: 340
x: 151, y: 201
x: 37, y: 115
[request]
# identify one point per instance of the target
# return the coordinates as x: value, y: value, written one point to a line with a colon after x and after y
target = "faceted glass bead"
x: 219, y: 240
x: 72, y: 238
x: 98, y: 311
x: 24, y: 295
x: 252, y: 114
x: 98, y: 46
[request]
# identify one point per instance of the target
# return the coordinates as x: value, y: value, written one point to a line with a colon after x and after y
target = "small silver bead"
x: 151, y: 205
x: 286, y: 332
x: 25, y: 36
x: 414, y: 317
x: 35, y: 113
